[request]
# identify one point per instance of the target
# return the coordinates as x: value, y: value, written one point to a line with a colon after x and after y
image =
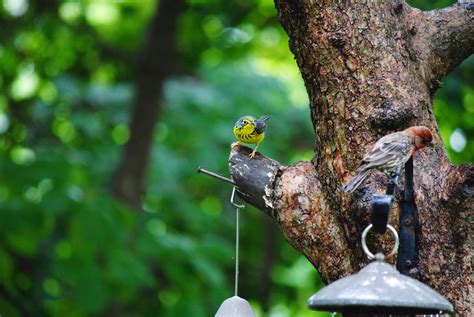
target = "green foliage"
x: 67, y: 247
x: 454, y: 103
x: 430, y: 5
x: 454, y: 109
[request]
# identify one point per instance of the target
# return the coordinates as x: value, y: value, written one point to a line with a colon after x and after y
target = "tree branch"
x: 451, y: 36
x: 292, y: 195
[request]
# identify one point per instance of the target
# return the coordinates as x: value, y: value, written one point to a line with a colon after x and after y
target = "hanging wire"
x: 236, y: 285
x: 237, y: 225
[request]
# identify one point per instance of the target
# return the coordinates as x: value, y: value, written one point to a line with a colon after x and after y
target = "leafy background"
x: 67, y: 246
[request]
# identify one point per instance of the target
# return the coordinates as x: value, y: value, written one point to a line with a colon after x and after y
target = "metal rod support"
x: 220, y: 177
x: 408, y: 253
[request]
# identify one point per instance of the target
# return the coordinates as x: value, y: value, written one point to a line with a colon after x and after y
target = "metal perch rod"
x: 220, y: 177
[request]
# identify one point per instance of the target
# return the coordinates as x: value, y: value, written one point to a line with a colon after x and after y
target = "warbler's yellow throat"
x: 250, y: 130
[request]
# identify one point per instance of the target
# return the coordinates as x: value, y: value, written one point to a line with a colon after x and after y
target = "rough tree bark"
x: 156, y: 61
x: 370, y: 68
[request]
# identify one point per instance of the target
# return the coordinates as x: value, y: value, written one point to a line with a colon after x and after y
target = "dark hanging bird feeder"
x: 379, y: 289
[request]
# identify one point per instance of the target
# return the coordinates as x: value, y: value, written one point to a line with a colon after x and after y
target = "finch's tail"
x: 355, y: 181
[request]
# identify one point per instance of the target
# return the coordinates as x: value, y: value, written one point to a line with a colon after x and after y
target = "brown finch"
x: 390, y: 153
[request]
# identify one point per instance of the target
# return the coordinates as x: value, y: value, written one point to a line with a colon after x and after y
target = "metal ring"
x: 369, y: 254
x: 232, y: 200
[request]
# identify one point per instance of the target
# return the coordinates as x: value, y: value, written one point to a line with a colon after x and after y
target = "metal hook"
x: 382, y: 204
x: 232, y: 200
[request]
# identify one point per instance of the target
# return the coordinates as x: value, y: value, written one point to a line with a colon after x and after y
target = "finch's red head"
x: 421, y: 136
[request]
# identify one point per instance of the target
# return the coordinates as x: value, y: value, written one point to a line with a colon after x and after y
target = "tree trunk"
x: 157, y: 61
x: 370, y: 68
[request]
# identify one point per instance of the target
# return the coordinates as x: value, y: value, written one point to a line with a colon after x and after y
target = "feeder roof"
x: 379, y: 288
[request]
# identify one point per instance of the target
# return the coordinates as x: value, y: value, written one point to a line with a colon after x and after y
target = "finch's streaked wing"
x: 387, y: 154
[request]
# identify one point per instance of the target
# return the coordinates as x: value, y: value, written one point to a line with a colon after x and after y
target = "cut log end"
x: 254, y: 177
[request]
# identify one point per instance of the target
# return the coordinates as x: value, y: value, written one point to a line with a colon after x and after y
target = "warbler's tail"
x: 264, y: 118
x: 355, y: 181
x: 260, y: 125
